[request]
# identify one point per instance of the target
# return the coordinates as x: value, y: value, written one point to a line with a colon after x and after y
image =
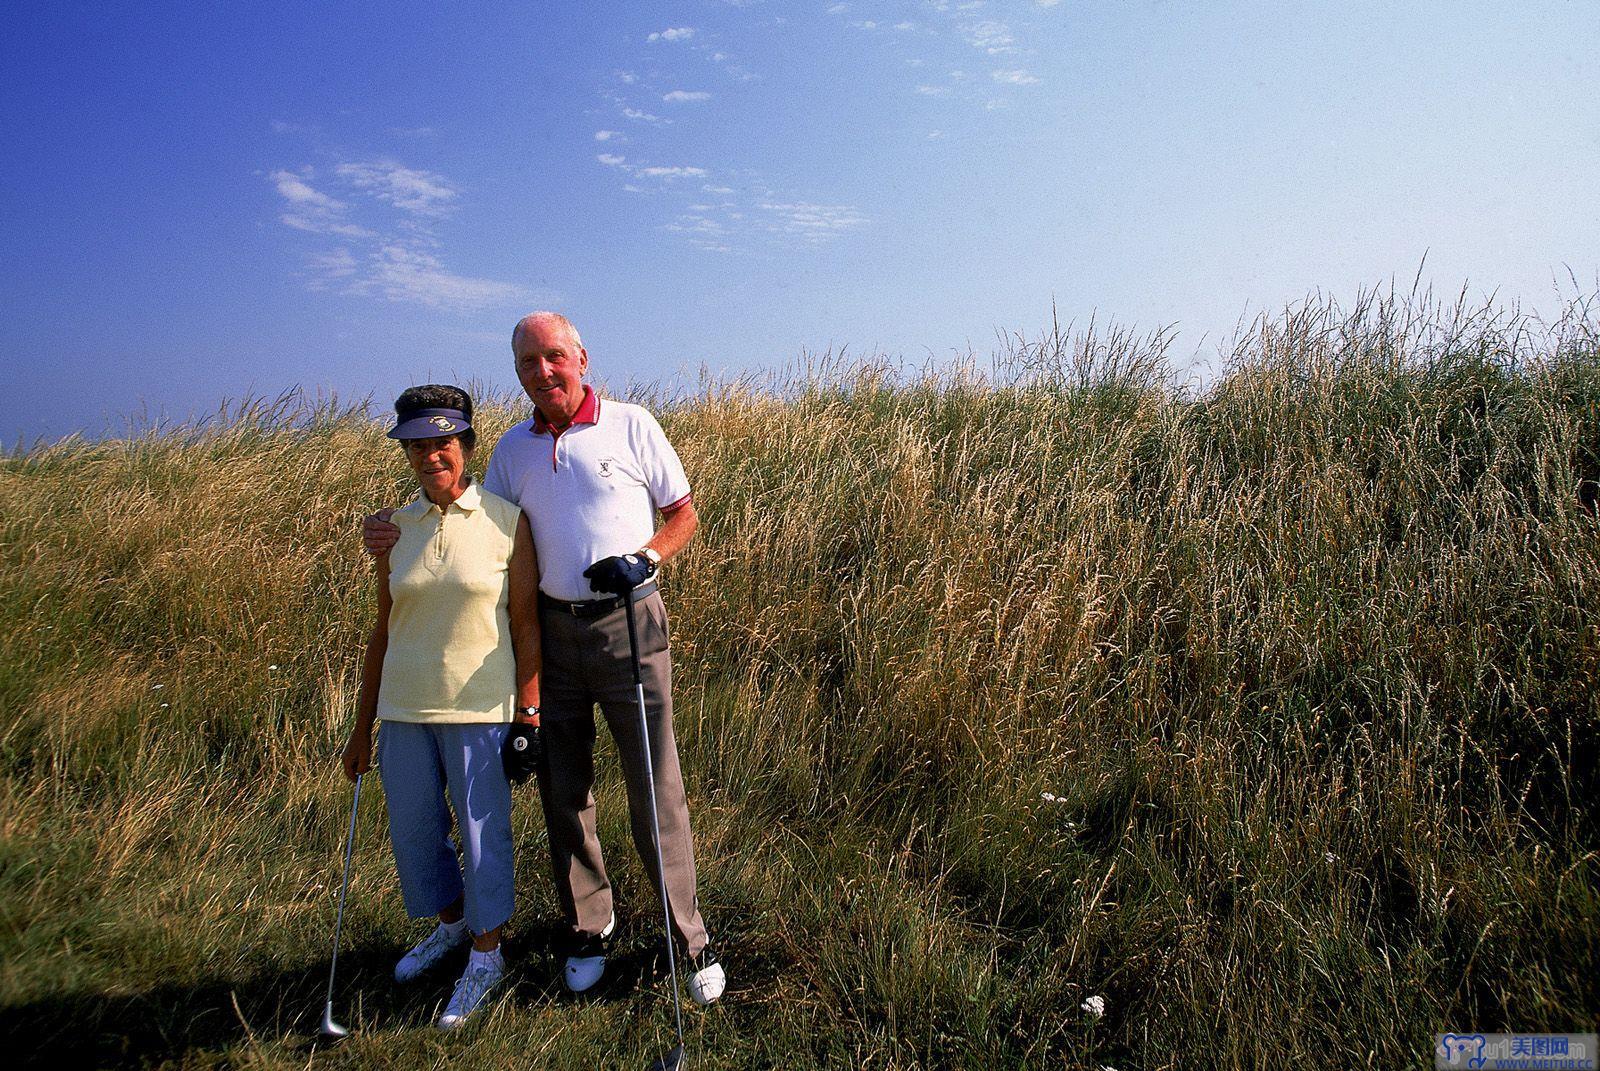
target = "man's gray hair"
x: 545, y: 316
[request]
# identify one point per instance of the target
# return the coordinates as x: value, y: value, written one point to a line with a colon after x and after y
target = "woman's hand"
x: 357, y: 757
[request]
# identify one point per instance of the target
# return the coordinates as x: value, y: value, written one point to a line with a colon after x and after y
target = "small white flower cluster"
x: 1095, y: 1006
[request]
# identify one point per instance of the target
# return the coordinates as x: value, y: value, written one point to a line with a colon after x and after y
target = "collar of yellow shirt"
x: 470, y: 500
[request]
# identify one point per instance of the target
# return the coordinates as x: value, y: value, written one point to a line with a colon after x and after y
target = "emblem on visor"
x: 442, y: 423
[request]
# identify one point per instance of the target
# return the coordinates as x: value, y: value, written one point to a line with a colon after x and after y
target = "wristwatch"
x: 529, y: 712
x: 653, y: 554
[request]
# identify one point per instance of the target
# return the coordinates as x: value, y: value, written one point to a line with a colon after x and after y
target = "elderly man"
x: 591, y: 474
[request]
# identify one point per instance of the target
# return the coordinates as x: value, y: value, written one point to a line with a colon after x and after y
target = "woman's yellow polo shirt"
x: 450, y: 658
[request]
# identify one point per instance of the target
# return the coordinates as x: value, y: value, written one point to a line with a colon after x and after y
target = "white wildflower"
x: 157, y: 687
x: 1328, y: 857
x: 273, y: 666
x: 1095, y: 1006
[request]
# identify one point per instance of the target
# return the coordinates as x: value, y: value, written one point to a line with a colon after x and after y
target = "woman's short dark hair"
x: 437, y: 396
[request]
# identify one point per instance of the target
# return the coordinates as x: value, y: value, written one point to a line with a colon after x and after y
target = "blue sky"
x: 208, y: 201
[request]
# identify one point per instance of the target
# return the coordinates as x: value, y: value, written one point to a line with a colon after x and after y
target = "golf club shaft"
x: 344, y: 889
x: 655, y: 824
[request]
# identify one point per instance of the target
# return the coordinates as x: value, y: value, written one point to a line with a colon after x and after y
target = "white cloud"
x: 627, y: 78
x: 1014, y: 78
x: 611, y: 159
x: 403, y: 274
x: 643, y: 117
x: 398, y: 265
x: 905, y: 25
x: 312, y: 224
x: 683, y: 96
x: 716, y: 189
x: 420, y: 192
x: 718, y: 57
x: 678, y: 33
x: 672, y: 172
x: 935, y: 134
x: 934, y: 91
x: 838, y: 9
x: 1047, y: 3
x: 607, y: 135
x: 993, y: 37
x: 297, y: 191
x: 311, y: 210
x: 702, y: 232
x: 327, y: 268
x: 866, y: 24
x: 811, y: 222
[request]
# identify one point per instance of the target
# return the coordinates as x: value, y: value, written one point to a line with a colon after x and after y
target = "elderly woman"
x: 452, y: 670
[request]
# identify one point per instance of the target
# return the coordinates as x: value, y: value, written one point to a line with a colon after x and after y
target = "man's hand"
x: 377, y: 534
x: 357, y: 756
x: 523, y: 751
x: 619, y: 574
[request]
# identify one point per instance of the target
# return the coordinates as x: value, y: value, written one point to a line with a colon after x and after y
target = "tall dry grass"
x: 1264, y: 711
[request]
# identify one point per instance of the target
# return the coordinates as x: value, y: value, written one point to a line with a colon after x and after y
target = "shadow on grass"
x: 165, y: 1022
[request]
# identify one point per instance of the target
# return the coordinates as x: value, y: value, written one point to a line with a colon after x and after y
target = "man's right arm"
x: 377, y: 534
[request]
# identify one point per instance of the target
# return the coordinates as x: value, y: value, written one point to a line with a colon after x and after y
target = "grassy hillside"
x: 1266, y: 713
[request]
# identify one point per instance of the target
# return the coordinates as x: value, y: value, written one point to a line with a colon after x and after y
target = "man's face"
x: 551, y: 365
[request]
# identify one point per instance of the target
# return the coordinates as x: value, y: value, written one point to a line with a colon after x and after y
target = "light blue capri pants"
x: 419, y: 762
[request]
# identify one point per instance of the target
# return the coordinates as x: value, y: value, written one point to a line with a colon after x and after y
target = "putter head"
x: 330, y: 1029
x: 671, y: 1061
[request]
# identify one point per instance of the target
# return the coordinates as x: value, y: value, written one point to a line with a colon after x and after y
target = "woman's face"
x: 440, y: 465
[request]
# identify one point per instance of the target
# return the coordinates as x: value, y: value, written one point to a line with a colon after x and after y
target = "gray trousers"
x: 586, y: 663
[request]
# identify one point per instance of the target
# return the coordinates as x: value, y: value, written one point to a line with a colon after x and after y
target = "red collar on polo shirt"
x: 588, y: 413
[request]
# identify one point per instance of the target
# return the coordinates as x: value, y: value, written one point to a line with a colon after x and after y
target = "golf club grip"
x: 633, y: 642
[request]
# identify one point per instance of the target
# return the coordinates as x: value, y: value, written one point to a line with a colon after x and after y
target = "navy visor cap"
x: 431, y: 424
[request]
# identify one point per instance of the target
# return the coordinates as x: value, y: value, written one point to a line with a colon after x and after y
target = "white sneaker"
x: 708, y: 979
x: 587, y: 962
x: 431, y: 949
x: 484, y: 971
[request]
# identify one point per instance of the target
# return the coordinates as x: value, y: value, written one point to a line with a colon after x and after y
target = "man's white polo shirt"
x: 590, y: 490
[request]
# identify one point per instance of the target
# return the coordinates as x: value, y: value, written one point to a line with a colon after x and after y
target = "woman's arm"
x: 524, y: 610
x: 357, y: 757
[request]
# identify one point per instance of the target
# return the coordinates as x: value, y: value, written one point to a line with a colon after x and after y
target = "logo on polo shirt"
x: 442, y: 423
x: 605, y: 466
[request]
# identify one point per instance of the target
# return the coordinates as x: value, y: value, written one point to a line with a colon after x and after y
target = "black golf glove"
x: 620, y: 574
x: 523, y: 751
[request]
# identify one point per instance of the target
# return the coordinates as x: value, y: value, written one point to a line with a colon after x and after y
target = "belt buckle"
x: 596, y: 607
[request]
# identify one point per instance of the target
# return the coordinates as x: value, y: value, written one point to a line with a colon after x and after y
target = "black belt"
x: 593, y: 607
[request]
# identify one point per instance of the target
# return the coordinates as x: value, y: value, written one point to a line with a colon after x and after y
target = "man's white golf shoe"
x: 587, y: 962
x: 427, y: 952
x: 707, y: 979
x: 483, y: 973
